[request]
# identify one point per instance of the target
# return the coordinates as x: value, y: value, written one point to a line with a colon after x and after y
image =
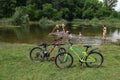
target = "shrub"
x: 45, y: 22
x: 19, y: 16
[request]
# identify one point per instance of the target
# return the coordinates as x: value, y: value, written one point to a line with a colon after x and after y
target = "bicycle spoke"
x: 63, y: 60
x: 94, y: 60
x: 36, y: 54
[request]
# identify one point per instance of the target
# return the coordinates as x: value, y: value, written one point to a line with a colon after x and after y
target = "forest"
x: 19, y: 11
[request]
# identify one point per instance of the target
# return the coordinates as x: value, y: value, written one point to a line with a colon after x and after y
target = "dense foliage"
x: 58, y: 9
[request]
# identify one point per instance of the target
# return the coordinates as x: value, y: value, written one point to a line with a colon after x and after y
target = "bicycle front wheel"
x: 94, y: 59
x: 61, y: 50
x: 64, y: 60
x: 36, y: 54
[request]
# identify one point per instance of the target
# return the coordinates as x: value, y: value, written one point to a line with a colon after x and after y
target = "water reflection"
x: 115, y: 35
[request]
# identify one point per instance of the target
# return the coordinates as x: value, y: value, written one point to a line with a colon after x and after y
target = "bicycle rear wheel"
x: 36, y: 54
x: 94, y: 60
x: 64, y: 60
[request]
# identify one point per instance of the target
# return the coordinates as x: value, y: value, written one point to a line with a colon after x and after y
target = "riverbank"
x: 76, y: 23
x: 117, y: 43
x: 97, y: 23
x: 15, y: 64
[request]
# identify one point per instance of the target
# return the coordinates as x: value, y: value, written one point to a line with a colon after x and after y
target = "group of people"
x: 60, y: 31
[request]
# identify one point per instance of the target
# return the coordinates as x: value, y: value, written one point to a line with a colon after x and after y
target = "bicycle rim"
x: 64, y: 60
x: 94, y: 60
x: 36, y: 54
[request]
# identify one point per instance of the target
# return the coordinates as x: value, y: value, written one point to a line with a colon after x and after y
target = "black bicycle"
x: 41, y: 52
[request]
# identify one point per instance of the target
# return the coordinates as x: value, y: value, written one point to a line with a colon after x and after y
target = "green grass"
x: 15, y: 64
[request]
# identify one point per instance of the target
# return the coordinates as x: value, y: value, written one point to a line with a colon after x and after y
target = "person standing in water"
x: 63, y: 28
x: 80, y: 36
x: 55, y: 31
x: 104, y: 32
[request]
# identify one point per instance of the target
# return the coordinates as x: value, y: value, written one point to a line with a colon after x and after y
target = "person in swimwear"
x: 63, y: 28
x: 104, y: 32
x: 80, y: 36
x: 55, y: 30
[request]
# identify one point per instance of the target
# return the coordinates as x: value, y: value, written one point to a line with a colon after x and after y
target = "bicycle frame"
x: 53, y: 47
x: 54, y: 44
x: 41, y: 51
x: 92, y: 57
x: 75, y: 50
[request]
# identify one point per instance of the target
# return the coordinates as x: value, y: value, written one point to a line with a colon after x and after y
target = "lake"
x: 34, y: 34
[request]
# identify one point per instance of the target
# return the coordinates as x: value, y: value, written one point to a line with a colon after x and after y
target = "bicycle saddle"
x: 87, y: 46
x: 44, y: 44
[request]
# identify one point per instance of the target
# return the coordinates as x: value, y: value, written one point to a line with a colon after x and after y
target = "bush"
x: 95, y: 19
x: 20, y: 16
x: 61, y: 21
x: 45, y: 22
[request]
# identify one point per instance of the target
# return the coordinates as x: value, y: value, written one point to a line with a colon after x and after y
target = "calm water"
x: 34, y: 34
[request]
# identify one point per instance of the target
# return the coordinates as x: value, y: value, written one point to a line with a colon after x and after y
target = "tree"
x: 102, y: 12
x: 90, y: 8
x: 110, y: 3
x: 20, y: 16
x: 21, y: 3
x: 33, y: 12
x: 57, y: 9
x: 7, y: 8
x: 88, y: 14
x: 65, y: 12
x: 49, y: 11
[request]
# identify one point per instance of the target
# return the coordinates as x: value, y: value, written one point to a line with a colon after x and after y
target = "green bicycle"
x: 92, y: 58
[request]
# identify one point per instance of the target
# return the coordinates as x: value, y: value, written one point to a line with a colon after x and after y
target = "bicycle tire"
x: 93, y: 61
x: 61, y: 62
x: 36, y: 54
x: 61, y: 50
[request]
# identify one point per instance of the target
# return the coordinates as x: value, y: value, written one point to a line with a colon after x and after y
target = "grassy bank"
x: 16, y: 65
x: 46, y: 23
x: 7, y: 25
x: 95, y: 22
